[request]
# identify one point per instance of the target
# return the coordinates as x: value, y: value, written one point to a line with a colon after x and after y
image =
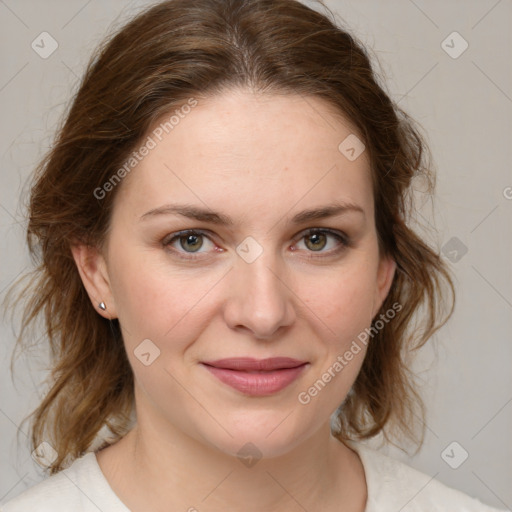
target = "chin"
x: 259, y: 434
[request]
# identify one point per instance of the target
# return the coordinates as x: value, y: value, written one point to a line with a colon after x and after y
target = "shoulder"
x: 393, y: 485
x: 81, y: 488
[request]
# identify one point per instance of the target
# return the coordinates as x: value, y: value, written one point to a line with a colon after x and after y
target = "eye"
x: 188, y: 242
x: 317, y: 239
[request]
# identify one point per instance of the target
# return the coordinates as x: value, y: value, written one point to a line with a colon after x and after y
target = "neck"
x: 179, y: 472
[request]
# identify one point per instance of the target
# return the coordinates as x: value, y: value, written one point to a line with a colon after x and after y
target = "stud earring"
x: 102, y: 306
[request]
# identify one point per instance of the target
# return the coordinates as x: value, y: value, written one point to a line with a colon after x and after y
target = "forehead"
x: 249, y: 153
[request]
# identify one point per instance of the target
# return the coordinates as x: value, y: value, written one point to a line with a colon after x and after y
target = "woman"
x: 225, y: 266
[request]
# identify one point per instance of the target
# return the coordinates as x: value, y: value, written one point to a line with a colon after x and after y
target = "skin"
x: 259, y: 159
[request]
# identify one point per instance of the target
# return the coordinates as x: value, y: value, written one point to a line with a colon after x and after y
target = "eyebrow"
x: 207, y: 215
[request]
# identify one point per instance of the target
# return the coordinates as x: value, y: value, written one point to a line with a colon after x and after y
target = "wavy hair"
x: 172, y: 51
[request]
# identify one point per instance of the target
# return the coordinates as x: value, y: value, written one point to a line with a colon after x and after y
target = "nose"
x: 260, y: 300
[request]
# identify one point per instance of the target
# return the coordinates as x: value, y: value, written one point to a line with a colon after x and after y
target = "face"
x: 211, y: 257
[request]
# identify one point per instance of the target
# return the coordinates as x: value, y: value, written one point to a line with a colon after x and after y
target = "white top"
x: 392, y: 486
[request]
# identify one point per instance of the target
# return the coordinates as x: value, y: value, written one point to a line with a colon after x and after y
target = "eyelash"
x: 344, y: 240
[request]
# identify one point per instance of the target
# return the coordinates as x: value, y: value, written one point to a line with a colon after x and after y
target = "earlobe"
x: 93, y: 272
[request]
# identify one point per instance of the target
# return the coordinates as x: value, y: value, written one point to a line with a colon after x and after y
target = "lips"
x: 247, y: 364
x: 256, y: 377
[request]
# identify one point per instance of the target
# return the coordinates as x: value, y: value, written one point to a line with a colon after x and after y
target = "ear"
x: 93, y: 271
x: 385, y: 275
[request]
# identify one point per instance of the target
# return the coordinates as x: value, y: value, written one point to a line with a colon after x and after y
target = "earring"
x: 102, y: 306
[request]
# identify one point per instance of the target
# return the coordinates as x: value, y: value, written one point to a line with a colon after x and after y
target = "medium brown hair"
x: 167, y: 54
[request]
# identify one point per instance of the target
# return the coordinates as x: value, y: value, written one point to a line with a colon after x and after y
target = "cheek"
x: 155, y: 302
x: 342, y: 299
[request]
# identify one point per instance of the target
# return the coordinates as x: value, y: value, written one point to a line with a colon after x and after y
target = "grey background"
x: 464, y: 104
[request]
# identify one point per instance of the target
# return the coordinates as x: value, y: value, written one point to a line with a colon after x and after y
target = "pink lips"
x: 256, y: 377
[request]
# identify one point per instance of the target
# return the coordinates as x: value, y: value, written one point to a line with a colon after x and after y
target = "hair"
x: 181, y: 49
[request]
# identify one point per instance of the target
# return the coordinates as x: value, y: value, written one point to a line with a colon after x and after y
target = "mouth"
x: 256, y: 377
